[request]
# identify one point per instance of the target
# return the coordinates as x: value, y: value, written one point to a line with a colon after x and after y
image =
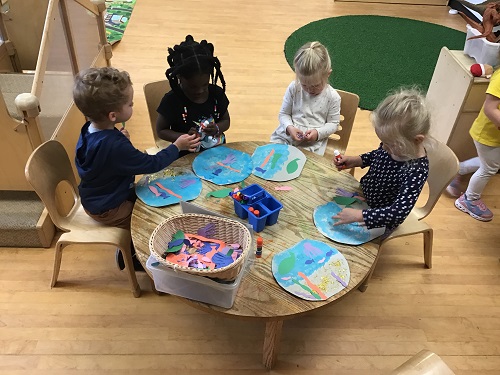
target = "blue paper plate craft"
x: 168, y: 186
x: 350, y: 234
x: 278, y: 162
x: 222, y: 165
x: 311, y: 270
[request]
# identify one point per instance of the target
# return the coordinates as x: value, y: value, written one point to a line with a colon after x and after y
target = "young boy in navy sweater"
x: 106, y: 160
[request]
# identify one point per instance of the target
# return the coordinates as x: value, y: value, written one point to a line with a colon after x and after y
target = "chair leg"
x: 57, y: 263
x: 129, y: 268
x: 428, y: 239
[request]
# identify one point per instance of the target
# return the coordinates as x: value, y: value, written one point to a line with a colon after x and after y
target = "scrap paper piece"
x: 283, y: 188
x: 344, y: 201
x: 222, y: 193
x: 277, y: 162
x: 311, y: 270
x: 350, y: 234
x: 197, y: 251
x: 222, y: 165
x: 168, y: 186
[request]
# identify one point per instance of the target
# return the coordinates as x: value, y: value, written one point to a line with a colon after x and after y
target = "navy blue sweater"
x: 391, y: 187
x: 107, y: 164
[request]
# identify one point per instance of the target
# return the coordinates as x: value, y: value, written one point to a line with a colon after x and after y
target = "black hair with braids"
x: 190, y: 58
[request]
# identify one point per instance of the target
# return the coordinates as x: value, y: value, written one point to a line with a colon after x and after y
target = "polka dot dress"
x: 391, y: 187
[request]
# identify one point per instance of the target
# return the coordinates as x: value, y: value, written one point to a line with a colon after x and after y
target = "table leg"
x: 272, y: 340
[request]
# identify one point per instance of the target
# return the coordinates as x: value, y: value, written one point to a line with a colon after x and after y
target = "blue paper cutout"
x: 271, y: 162
x: 324, y: 266
x: 180, y: 181
x: 221, y: 260
x: 222, y: 165
x: 351, y: 234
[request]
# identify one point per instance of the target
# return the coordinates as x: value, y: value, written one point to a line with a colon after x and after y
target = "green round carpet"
x: 374, y: 55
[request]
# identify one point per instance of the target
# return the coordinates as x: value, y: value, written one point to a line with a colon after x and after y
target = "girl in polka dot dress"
x: 310, y: 112
x: 398, y: 168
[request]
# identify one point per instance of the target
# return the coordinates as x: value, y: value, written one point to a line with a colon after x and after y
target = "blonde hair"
x: 312, y: 59
x: 99, y: 91
x: 399, y: 118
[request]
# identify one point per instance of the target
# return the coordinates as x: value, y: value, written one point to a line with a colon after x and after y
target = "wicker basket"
x: 227, y: 230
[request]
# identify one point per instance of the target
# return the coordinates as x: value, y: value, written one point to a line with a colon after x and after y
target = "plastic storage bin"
x: 481, y: 50
x: 257, y: 198
x: 194, y: 287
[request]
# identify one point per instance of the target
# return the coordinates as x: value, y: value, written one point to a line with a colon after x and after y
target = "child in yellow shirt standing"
x: 485, y: 132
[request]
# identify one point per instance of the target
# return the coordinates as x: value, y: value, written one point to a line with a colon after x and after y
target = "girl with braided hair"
x: 196, y: 104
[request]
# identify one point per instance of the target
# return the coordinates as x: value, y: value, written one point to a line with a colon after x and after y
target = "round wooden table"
x: 259, y: 296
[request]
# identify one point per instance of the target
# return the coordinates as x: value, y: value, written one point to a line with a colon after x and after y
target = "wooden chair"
x: 49, y: 171
x: 154, y: 92
x: 443, y: 166
x: 348, y: 108
x: 339, y: 140
x: 423, y: 363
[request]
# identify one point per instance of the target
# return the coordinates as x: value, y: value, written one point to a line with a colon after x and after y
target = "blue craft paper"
x: 351, y: 234
x: 185, y: 183
x: 205, y: 165
x: 268, y: 170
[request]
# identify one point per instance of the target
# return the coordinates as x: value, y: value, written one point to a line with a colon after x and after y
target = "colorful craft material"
x: 311, y: 270
x: 200, y: 251
x: 160, y: 188
x: 277, y: 162
x: 222, y: 193
x: 222, y: 165
x: 350, y: 234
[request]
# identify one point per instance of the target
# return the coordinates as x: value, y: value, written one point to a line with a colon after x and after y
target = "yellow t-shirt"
x: 483, y: 130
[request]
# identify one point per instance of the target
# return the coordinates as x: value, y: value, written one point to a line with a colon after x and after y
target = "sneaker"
x: 477, y: 209
x: 456, y: 186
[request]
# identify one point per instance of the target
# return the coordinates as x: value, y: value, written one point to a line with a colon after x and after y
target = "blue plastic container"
x: 259, y: 199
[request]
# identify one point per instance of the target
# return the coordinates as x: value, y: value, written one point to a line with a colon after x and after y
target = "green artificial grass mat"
x: 374, y: 55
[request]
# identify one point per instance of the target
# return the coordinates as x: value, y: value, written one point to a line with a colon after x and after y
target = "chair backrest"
x: 443, y: 167
x: 423, y: 363
x: 348, y: 108
x: 47, y: 167
x: 154, y: 92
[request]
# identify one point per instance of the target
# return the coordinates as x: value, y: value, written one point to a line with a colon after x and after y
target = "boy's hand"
x: 188, y: 142
x: 311, y: 135
x: 296, y: 134
x: 348, y: 215
x: 125, y: 133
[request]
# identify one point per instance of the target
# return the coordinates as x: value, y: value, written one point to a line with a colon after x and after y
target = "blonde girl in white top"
x: 310, y: 112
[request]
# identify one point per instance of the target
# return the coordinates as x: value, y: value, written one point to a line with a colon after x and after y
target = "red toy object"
x: 250, y: 209
x: 256, y: 212
x: 481, y: 70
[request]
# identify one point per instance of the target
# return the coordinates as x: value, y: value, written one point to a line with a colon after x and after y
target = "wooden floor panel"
x: 91, y: 324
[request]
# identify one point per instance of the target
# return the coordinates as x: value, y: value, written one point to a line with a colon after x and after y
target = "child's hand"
x: 187, y: 142
x: 192, y: 131
x: 125, y: 133
x: 296, y: 134
x: 348, y: 215
x: 346, y: 162
x: 311, y: 135
x: 211, y: 129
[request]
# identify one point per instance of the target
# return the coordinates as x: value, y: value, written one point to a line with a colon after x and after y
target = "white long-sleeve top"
x: 305, y: 112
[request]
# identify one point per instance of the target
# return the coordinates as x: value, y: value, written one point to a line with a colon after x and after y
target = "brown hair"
x: 99, y: 91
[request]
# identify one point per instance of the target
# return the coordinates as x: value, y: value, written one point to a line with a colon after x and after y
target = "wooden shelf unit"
x: 456, y: 98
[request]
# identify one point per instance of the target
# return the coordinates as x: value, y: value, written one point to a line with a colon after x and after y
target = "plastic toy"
x: 256, y: 204
x: 481, y: 70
